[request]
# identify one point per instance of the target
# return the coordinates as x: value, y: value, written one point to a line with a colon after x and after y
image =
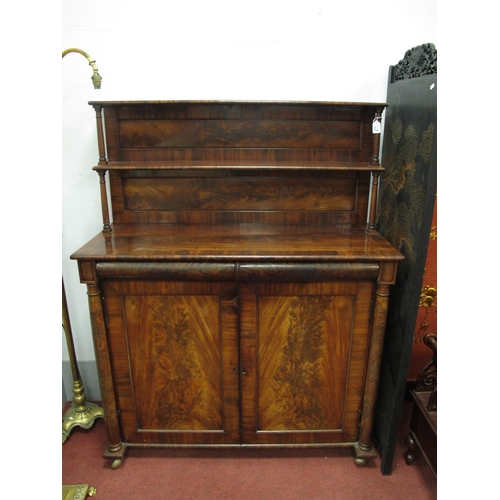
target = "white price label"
x: 376, y: 126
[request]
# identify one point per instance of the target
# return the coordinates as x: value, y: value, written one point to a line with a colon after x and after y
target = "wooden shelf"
x: 249, y: 242
x: 193, y: 165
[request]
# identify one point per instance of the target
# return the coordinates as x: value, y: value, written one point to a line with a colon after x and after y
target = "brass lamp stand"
x: 81, y: 413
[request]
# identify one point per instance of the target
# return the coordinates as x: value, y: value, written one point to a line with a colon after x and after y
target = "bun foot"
x: 410, y: 454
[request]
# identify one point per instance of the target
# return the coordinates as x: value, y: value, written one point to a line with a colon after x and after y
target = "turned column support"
x: 98, y: 324
x: 100, y: 134
x: 386, y: 278
x: 101, y: 170
x: 375, y: 175
x: 106, y: 227
x: 373, y: 373
x: 372, y: 216
x: 376, y: 138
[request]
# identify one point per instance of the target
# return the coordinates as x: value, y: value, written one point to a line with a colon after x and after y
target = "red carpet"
x: 247, y: 475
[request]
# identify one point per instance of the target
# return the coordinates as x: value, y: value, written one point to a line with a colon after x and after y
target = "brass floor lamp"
x: 81, y: 413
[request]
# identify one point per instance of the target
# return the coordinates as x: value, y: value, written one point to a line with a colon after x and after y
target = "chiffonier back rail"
x: 239, y: 295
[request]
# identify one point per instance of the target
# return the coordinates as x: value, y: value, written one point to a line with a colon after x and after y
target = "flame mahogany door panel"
x: 303, y: 356
x: 174, y: 352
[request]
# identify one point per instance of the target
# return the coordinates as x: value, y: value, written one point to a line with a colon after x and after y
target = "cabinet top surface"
x: 230, y: 242
x: 238, y: 102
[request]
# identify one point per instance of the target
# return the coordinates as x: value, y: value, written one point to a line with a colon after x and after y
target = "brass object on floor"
x: 81, y: 413
x: 77, y: 491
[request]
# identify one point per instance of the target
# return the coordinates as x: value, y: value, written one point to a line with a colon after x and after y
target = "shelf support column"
x: 372, y: 216
x: 106, y: 227
x: 101, y: 170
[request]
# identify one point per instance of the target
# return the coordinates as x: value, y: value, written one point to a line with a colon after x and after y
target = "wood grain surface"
x: 171, y: 375
x: 240, y: 242
x: 304, y: 353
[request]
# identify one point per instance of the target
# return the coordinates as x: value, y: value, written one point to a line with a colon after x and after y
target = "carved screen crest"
x: 418, y: 61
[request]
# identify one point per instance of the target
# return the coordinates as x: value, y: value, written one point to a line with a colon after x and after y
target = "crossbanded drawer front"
x: 303, y: 272
x: 166, y: 270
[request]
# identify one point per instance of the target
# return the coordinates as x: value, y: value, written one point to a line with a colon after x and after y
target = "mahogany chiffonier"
x: 238, y: 297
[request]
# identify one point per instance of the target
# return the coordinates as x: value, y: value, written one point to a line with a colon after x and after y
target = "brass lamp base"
x: 77, y: 416
x: 81, y: 413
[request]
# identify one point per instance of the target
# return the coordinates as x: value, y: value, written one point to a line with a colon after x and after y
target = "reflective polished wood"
x: 239, y: 296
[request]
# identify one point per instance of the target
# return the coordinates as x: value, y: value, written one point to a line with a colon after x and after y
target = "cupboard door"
x: 174, y: 354
x: 303, y: 353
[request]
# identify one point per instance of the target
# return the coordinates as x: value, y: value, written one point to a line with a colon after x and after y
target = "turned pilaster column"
x: 387, y: 277
x: 98, y: 324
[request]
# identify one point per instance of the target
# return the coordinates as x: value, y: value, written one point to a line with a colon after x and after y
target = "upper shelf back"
x: 216, y: 133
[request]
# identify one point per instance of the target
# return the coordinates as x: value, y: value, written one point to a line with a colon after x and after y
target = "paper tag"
x: 376, y: 126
